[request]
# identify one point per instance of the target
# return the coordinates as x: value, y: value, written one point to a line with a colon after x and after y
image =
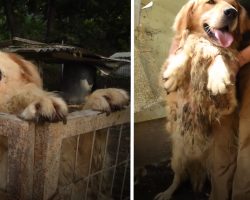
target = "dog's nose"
x: 231, y: 13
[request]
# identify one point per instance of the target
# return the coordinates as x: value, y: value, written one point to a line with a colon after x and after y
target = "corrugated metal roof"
x: 59, y: 53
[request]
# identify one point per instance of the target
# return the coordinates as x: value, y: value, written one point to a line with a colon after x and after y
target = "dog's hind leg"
x: 179, y: 165
x: 198, y: 174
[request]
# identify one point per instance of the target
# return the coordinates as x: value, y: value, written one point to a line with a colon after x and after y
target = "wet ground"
x: 156, y: 178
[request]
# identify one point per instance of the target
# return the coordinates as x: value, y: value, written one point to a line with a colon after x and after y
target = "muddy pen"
x: 86, y: 158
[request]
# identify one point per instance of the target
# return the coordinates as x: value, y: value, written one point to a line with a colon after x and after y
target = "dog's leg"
x: 107, y: 100
x: 197, y: 172
x: 178, y: 164
x: 218, y: 76
x: 171, y: 68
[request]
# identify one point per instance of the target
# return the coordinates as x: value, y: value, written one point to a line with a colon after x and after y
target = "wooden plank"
x: 20, y: 159
x: 34, y: 151
x: 18, y: 39
x: 47, y: 162
x: 20, y: 155
x: 87, y: 121
x: 49, y: 140
x: 40, y: 161
x: 7, y: 122
x: 155, y: 111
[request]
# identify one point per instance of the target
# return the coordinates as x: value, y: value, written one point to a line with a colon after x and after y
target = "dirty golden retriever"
x: 22, y: 94
x: 200, y: 75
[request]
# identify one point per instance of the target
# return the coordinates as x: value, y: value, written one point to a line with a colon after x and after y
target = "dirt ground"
x: 156, y: 178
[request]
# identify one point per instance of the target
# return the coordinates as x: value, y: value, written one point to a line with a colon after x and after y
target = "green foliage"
x: 99, y: 26
x: 4, y: 33
x: 33, y: 27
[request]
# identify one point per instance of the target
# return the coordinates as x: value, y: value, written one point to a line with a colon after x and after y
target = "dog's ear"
x: 182, y: 20
x: 244, y: 20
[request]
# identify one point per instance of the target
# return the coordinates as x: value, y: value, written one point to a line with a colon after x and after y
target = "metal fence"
x: 88, y: 158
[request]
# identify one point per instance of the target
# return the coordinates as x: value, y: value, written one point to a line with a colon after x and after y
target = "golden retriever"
x: 202, y: 113
x: 22, y: 94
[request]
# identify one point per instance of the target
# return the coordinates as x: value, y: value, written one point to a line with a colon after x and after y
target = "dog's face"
x: 15, y: 72
x: 219, y: 20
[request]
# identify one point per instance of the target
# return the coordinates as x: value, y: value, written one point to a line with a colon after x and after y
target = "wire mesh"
x: 106, y: 173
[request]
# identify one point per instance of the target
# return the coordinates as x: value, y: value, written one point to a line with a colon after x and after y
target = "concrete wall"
x: 151, y: 143
x: 152, y: 41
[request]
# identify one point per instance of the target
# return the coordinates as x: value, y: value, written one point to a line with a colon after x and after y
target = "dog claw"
x: 171, y: 84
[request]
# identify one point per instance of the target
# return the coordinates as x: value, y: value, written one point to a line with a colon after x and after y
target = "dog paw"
x: 46, y: 109
x: 163, y: 196
x: 170, y: 78
x: 107, y: 100
x: 170, y: 74
x: 218, y: 77
x: 171, y: 84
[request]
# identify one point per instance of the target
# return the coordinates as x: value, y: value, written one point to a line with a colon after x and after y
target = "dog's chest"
x: 198, y: 108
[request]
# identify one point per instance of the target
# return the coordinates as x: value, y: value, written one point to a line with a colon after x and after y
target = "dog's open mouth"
x: 222, y: 35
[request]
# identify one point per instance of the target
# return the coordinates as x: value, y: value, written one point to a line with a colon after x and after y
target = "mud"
x: 154, y: 179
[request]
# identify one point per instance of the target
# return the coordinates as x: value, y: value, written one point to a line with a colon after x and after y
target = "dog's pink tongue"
x: 225, y: 39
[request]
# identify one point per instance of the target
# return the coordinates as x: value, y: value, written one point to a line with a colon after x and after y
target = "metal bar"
x: 116, y: 159
x: 104, y: 160
x: 124, y: 178
x: 90, y: 165
x: 97, y: 173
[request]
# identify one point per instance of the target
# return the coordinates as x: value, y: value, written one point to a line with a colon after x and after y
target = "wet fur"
x: 196, y: 103
x: 22, y: 94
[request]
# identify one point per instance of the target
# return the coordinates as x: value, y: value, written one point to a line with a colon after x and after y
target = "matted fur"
x: 22, y: 94
x: 202, y: 76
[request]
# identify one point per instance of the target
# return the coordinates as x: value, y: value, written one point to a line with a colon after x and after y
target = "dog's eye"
x: 211, y: 2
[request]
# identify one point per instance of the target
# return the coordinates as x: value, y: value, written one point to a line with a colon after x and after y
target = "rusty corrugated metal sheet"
x: 45, y: 48
x: 57, y: 53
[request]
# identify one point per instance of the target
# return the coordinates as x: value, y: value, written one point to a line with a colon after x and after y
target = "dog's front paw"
x: 218, y: 77
x: 171, y: 84
x: 49, y: 108
x: 172, y: 66
x: 107, y: 100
